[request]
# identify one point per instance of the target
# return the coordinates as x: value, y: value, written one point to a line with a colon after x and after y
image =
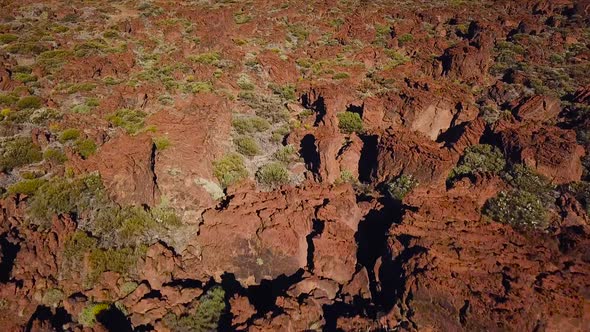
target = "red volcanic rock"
x: 196, y: 129
x: 265, y: 234
x: 471, y: 135
x: 538, y: 108
x: 297, y: 316
x: 402, y: 151
x: 279, y: 70
x: 160, y: 263
x: 241, y: 310
x: 466, y: 62
x: 550, y: 151
x: 472, y: 278
x: 582, y: 95
x: 350, y: 155
x: 127, y: 173
x: 427, y: 117
x: 334, y: 255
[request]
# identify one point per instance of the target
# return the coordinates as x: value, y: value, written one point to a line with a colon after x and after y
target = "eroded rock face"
x: 403, y: 151
x: 551, y: 151
x: 127, y: 173
x: 538, y: 108
x: 473, y: 289
x: 265, y: 235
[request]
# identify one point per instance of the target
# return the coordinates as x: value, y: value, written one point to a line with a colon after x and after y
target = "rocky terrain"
x: 336, y: 165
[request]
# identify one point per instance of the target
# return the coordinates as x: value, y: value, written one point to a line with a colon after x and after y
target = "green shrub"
x: 69, y: 134
x: 87, y: 316
x: 25, y: 77
x: 77, y: 245
x: 162, y: 143
x: 53, y: 59
x: 230, y: 169
x: 198, y: 87
x: 26, y: 187
x: 29, y: 102
x: 8, y: 99
x: 85, y: 147
x: 244, y: 83
x: 241, y: 18
x: 26, y: 48
x: 17, y: 152
x: 247, y: 146
x: 279, y: 134
x: 350, y: 122
x: 405, y: 38
x: 120, y: 260
x: 7, y: 38
x: 54, y: 155
x: 286, y: 154
x: 478, y: 159
x: 205, y: 317
x: 61, y: 196
x: 53, y: 297
x: 346, y: 176
x: 210, y: 58
x: 130, y: 120
x: 400, y: 187
x: 273, y: 174
x: 340, y: 76
x: 518, y: 208
x: 250, y: 125
x: 524, y: 178
x: 286, y: 92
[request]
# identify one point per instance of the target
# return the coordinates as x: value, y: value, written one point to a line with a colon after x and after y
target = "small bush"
x: 69, y: 134
x: 250, y: 125
x: 60, y: 196
x: 210, y: 58
x: 477, y: 159
x: 340, y: 76
x: 400, y: 187
x: 26, y: 187
x: 130, y: 120
x: 53, y: 59
x: 247, y: 146
x: 88, y: 315
x: 162, y: 143
x: 198, y: 87
x: 286, y: 92
x: 26, y: 48
x: 53, y: 297
x: 230, y: 169
x: 17, y: 152
x: 29, y: 102
x: 346, y: 176
x: 54, y: 155
x: 120, y: 260
x: 273, y: 174
x: 241, y: 18
x: 25, y: 77
x: 8, y: 99
x: 85, y: 147
x: 205, y: 317
x: 350, y: 122
x: 518, y: 208
x: 244, y: 83
x: 524, y: 178
x: 7, y: 38
x: 286, y: 154
x: 405, y: 38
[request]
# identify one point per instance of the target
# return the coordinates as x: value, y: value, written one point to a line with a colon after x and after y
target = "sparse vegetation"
x: 286, y: 154
x: 85, y: 147
x: 478, y: 159
x: 88, y: 315
x: 518, y: 208
x: 400, y: 187
x: 162, y: 143
x: 350, y: 122
x: 249, y: 125
x: 230, y: 169
x: 130, y: 120
x: 205, y: 317
x: 69, y: 134
x: 18, y: 151
x: 247, y: 146
x: 272, y: 175
x: 26, y: 187
x: 29, y: 102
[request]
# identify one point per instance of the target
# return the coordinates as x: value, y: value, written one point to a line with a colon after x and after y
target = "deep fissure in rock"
x: 318, y: 228
x: 368, y: 160
x: 9, y: 251
x: 309, y: 153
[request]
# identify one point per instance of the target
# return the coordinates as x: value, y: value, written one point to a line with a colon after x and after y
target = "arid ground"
x: 265, y: 165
